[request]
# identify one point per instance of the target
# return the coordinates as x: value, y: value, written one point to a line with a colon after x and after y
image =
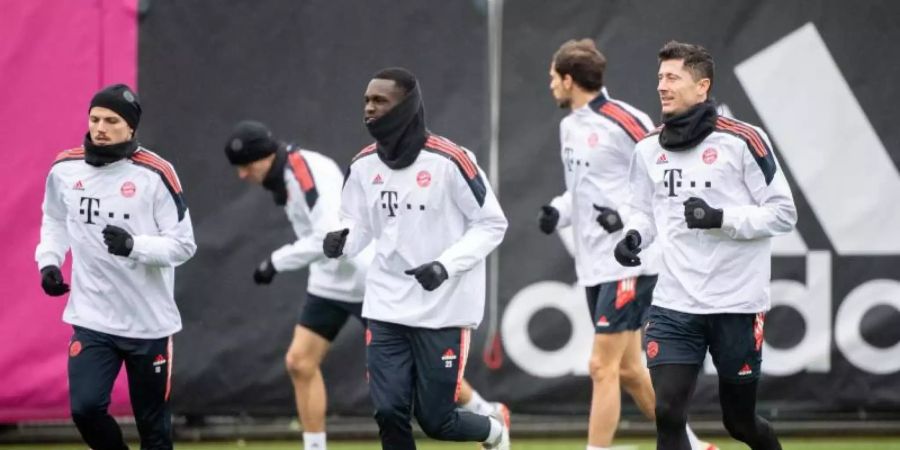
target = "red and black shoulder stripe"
x: 619, y: 115
x: 153, y: 162
x: 72, y: 154
x: 755, y: 142
x: 444, y: 147
x: 299, y: 167
x: 367, y: 151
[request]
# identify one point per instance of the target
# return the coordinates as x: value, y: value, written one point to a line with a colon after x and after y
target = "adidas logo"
x: 663, y: 159
x: 449, y: 355
x: 378, y: 179
x: 602, y: 322
x: 745, y: 370
x: 78, y: 186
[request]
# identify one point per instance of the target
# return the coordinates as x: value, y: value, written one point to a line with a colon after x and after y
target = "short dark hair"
x: 697, y: 59
x: 403, y: 78
x: 581, y: 60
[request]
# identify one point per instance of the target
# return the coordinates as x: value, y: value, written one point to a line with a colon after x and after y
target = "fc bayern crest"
x: 710, y: 155
x: 423, y: 178
x: 593, y: 140
x: 128, y: 189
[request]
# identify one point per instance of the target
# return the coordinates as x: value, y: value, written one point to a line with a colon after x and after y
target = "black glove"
x: 117, y: 240
x: 264, y: 272
x: 547, y: 219
x: 608, y: 219
x: 627, y: 249
x: 698, y: 214
x: 429, y: 275
x: 52, y: 281
x: 333, y: 245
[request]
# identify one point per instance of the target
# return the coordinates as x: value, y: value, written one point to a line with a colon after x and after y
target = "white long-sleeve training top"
x: 439, y: 208
x: 725, y: 270
x: 124, y: 296
x: 596, y: 146
x: 313, y: 182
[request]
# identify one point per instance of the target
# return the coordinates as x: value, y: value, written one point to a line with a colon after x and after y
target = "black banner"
x: 814, y: 75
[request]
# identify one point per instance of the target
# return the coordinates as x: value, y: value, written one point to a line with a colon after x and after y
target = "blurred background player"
x: 435, y: 219
x: 119, y: 208
x: 708, y: 191
x: 597, y: 142
x: 308, y: 185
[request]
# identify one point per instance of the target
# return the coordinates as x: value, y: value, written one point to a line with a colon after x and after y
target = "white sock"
x: 478, y: 405
x: 692, y: 438
x: 594, y: 447
x: 496, y: 432
x: 314, y: 441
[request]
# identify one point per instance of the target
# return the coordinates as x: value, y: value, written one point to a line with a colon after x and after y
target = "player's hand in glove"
x: 698, y: 214
x: 608, y: 219
x: 547, y: 219
x: 429, y: 275
x: 264, y: 272
x: 52, y: 281
x: 117, y: 240
x: 333, y: 245
x: 627, y: 249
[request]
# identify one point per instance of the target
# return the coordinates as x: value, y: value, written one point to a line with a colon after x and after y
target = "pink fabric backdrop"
x: 54, y: 54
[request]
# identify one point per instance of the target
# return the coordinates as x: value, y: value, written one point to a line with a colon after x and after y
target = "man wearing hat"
x: 307, y: 185
x: 120, y: 209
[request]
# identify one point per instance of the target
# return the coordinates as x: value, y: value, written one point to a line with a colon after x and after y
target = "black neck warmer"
x: 401, y: 133
x: 274, y: 181
x: 686, y: 130
x: 101, y: 155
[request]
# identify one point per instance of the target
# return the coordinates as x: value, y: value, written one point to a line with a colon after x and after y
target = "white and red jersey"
x: 725, y: 270
x: 313, y: 182
x: 596, y: 145
x: 440, y: 208
x: 124, y: 296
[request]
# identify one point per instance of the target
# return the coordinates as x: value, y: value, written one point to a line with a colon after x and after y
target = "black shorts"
x: 734, y: 341
x: 326, y: 317
x: 620, y: 305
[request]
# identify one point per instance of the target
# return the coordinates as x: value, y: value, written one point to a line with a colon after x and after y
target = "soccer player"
x: 597, y: 142
x: 435, y: 219
x: 708, y: 192
x: 307, y: 185
x: 119, y: 207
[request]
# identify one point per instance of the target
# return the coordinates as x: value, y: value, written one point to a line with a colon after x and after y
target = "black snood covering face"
x: 401, y: 133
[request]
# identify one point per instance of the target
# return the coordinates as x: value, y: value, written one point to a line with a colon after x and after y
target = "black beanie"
x: 250, y: 141
x: 121, y: 100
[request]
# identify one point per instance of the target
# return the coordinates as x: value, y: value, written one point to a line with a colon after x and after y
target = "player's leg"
x: 636, y: 377
x: 440, y: 359
x: 471, y: 401
x: 320, y: 321
x: 736, y: 348
x: 617, y: 316
x: 149, y: 366
x: 389, y: 360
x: 94, y: 364
x: 676, y: 347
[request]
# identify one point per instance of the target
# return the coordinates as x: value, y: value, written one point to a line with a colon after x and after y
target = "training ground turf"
x: 871, y: 443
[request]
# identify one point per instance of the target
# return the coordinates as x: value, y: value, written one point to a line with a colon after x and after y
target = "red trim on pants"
x: 464, y: 336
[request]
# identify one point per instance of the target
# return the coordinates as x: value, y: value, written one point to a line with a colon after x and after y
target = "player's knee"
x: 740, y: 430
x: 300, y: 365
x: 433, y: 427
x: 670, y: 415
x: 390, y: 416
x: 601, y: 370
x: 85, y: 409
